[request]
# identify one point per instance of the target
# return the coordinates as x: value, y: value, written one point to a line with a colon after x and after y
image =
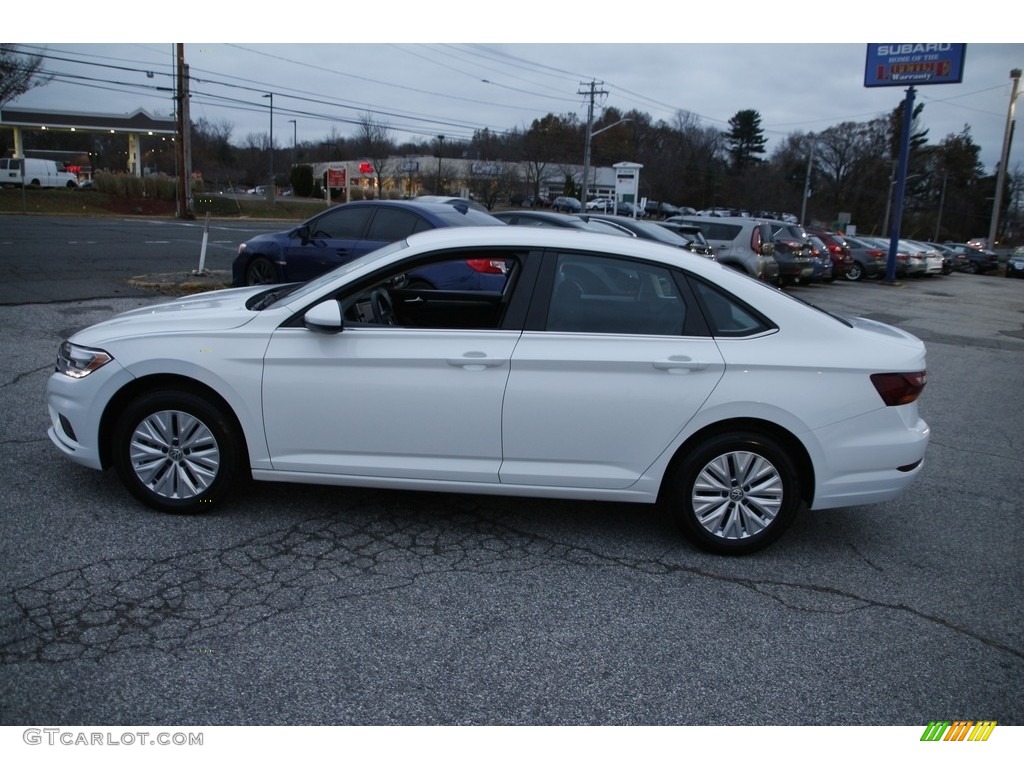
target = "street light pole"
x: 1004, y: 159
x: 295, y: 135
x: 270, y: 188
x: 440, y: 149
x: 586, y: 155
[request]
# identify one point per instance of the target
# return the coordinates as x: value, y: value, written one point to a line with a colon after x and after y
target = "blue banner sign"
x: 907, y: 64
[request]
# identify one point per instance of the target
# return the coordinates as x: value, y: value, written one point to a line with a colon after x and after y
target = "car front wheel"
x: 735, y: 493
x: 261, y: 271
x: 176, y: 452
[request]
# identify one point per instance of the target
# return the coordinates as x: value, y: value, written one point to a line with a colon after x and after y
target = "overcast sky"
x: 420, y: 86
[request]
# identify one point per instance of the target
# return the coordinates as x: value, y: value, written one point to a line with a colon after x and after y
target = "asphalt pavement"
x: 319, y: 605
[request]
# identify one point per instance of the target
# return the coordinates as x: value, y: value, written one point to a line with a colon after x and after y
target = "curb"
x: 182, y: 283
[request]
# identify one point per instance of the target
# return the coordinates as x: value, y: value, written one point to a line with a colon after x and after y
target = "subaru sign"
x: 911, y: 64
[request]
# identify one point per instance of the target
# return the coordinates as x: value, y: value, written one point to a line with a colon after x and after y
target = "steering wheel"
x: 382, y: 308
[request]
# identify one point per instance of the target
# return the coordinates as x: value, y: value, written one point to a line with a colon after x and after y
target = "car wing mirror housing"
x: 324, y: 317
x: 303, y: 234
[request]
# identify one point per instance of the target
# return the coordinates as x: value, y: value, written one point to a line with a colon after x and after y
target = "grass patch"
x: 75, y: 202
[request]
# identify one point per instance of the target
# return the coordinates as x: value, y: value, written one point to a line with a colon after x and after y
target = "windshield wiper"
x: 268, y: 298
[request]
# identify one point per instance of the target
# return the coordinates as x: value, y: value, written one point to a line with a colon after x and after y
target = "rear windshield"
x: 469, y: 217
x: 716, y: 230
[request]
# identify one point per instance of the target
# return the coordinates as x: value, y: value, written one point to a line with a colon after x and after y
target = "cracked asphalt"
x: 313, y: 605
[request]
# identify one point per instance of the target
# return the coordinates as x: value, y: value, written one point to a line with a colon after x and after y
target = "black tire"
x: 734, y: 493
x: 855, y: 272
x: 261, y: 271
x: 176, y: 452
x: 972, y: 268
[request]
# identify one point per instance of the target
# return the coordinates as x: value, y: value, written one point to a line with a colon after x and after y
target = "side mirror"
x: 302, y: 233
x: 324, y: 317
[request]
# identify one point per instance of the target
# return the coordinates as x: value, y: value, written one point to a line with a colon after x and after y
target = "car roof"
x: 691, y: 218
x: 448, y: 200
x: 652, y: 229
x: 433, y: 210
x: 540, y: 215
x: 556, y: 238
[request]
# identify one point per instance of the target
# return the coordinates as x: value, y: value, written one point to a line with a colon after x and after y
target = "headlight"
x: 76, y: 361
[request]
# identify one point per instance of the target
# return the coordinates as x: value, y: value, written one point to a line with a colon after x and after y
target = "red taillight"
x: 489, y: 266
x: 877, y: 254
x: 755, y: 241
x: 899, y: 388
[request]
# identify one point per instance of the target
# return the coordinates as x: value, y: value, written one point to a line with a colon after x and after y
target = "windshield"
x: 304, y: 289
x: 659, y: 233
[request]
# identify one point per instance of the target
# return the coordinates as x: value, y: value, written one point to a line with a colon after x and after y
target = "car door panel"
x: 607, y: 405
x: 341, y: 404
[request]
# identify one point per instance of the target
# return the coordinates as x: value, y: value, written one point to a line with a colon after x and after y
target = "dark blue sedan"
x: 344, y: 232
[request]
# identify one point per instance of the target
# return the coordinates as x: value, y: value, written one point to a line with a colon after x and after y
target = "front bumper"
x: 76, y: 409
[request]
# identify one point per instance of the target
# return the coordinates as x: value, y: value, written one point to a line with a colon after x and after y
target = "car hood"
x: 270, y: 237
x: 212, y: 311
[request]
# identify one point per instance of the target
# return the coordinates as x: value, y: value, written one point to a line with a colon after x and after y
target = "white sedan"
x: 595, y: 367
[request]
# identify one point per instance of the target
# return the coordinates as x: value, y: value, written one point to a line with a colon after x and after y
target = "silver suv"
x: 741, y: 243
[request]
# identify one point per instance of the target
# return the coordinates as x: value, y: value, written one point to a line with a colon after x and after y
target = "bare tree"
x: 373, y: 139
x: 18, y: 73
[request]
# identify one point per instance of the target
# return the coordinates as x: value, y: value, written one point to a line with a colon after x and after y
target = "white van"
x: 38, y: 173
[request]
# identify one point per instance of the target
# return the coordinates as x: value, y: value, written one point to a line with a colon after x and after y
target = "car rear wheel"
x: 261, y: 271
x: 855, y: 272
x: 735, y: 493
x: 176, y: 452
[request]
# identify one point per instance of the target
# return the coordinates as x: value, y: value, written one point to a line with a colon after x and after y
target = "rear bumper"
x: 870, y: 459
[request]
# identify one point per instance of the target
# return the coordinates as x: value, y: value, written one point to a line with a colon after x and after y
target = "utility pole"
x: 591, y: 92
x: 1001, y: 176
x: 271, y: 187
x: 807, y: 187
x: 182, y: 144
x: 440, y: 151
x: 942, y: 203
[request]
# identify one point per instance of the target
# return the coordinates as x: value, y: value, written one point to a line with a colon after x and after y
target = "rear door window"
x: 599, y: 294
x: 392, y: 224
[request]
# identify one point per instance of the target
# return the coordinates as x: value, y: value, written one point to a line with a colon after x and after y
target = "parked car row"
x: 1015, y: 264
x: 686, y: 237
x: 774, y: 251
x: 969, y: 258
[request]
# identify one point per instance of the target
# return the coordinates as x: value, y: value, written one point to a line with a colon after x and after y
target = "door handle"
x: 679, y: 363
x: 475, y: 361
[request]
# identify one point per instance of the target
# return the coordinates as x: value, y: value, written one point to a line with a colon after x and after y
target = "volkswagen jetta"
x: 594, y: 367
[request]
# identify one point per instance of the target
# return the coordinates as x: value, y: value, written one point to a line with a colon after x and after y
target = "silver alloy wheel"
x: 174, y: 454
x: 737, y: 495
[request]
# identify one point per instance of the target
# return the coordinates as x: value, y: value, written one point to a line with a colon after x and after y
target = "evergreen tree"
x: 745, y: 140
